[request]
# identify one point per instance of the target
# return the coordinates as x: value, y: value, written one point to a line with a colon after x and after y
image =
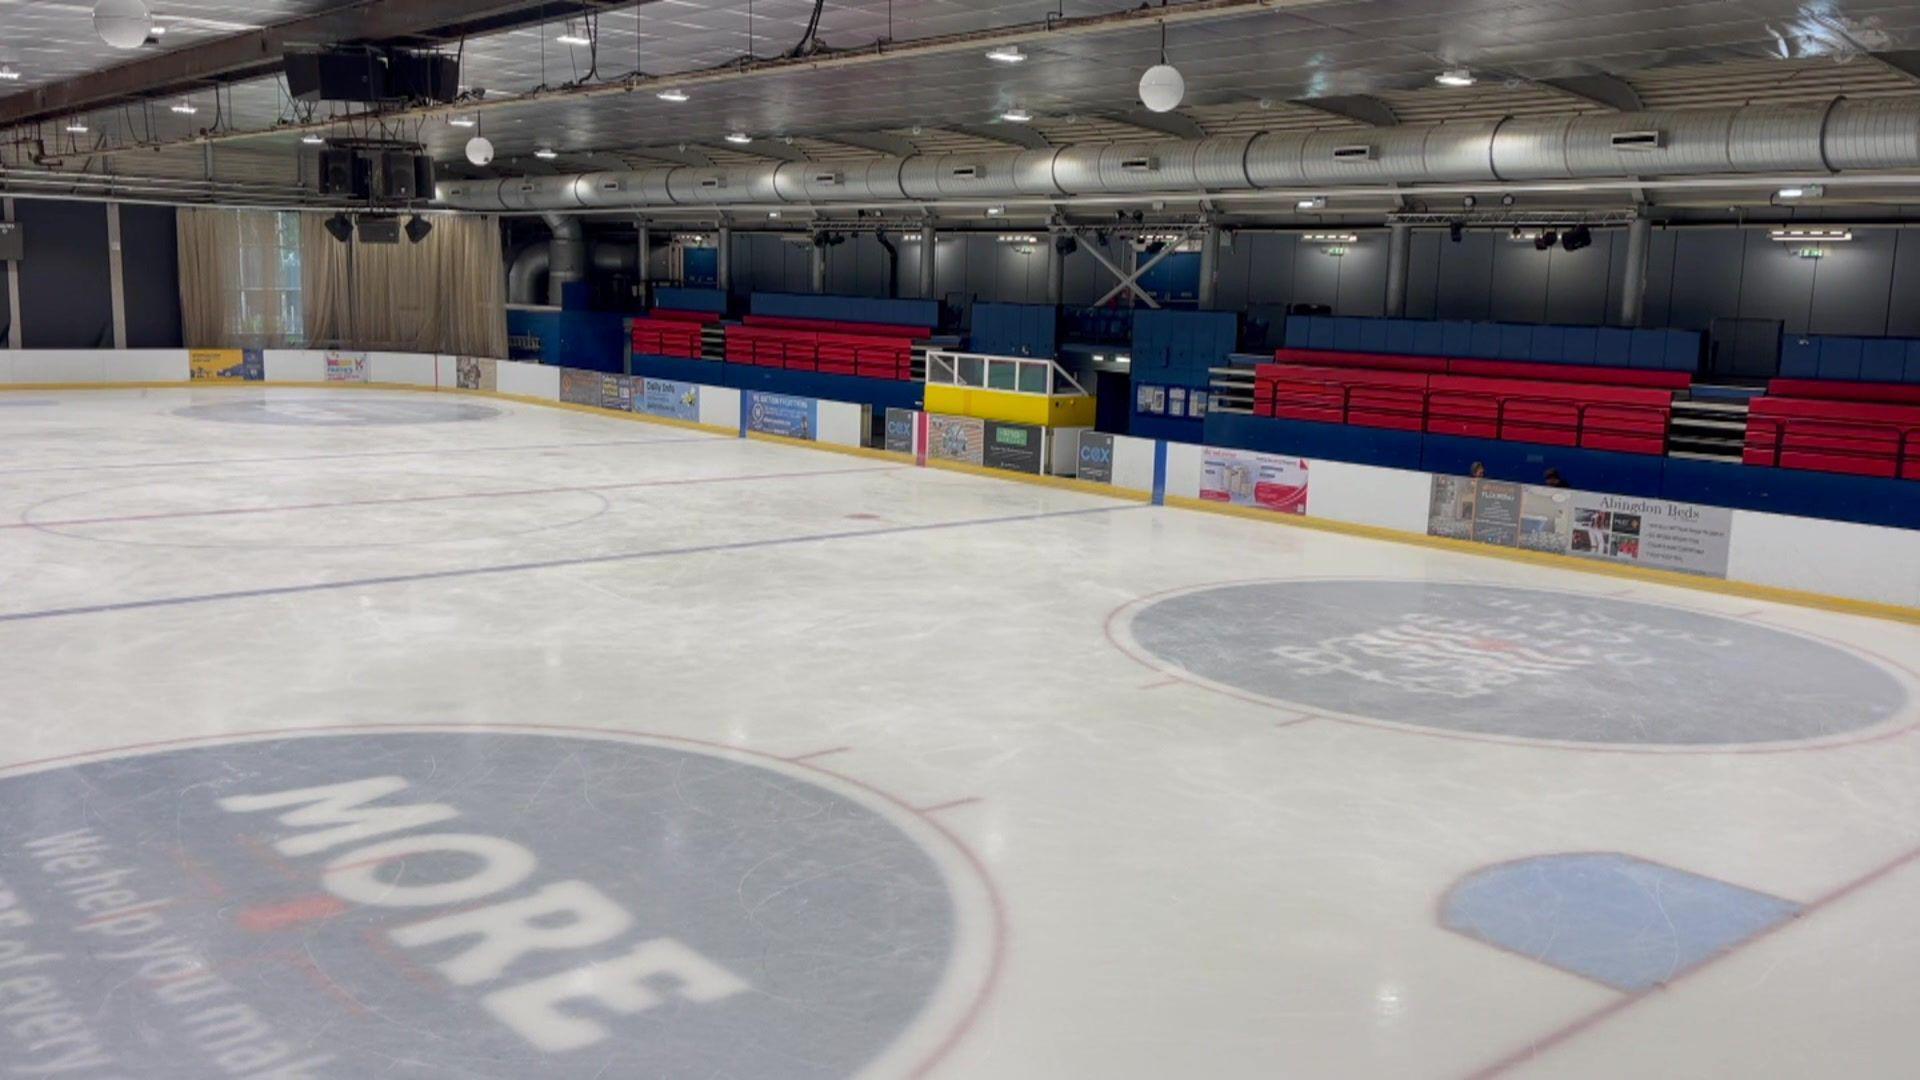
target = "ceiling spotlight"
x: 1007, y: 54
x: 675, y: 95
x: 184, y: 108
x: 9, y: 73
x: 1546, y: 240
x: 313, y: 140
x: 123, y: 24
x: 1577, y: 238
x: 572, y: 36
x: 464, y: 121
x: 76, y: 127
x: 1470, y: 201
x: 340, y: 227
x: 479, y: 150
x: 1456, y: 231
x: 739, y: 138
x: 546, y: 154
x: 1507, y: 199
x: 417, y: 228
x: 1455, y: 77
x: 1016, y: 116
x: 1162, y: 88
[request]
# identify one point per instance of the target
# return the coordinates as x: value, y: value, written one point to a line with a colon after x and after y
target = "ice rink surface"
x: 381, y: 734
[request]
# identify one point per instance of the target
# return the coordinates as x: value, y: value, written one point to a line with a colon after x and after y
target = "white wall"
x: 841, y: 423
x: 1866, y: 562
x: 1365, y: 495
x: 529, y: 380
x: 720, y: 406
x: 1184, y: 467
x: 93, y: 365
x: 1133, y: 463
x: 406, y: 369
x: 295, y: 365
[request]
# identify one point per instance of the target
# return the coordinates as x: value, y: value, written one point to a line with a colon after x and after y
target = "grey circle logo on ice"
x: 1518, y: 662
x: 460, y: 905
x: 338, y: 412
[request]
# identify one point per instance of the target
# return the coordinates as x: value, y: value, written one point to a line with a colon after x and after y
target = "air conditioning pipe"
x: 1842, y: 135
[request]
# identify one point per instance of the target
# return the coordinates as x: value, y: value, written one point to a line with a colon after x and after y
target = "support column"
x: 723, y: 260
x: 1399, y: 260
x: 645, y: 263
x: 818, y: 256
x: 929, y: 242
x: 1633, y: 296
x: 1056, y: 269
x: 13, y: 289
x: 1209, y: 266
x: 116, y: 276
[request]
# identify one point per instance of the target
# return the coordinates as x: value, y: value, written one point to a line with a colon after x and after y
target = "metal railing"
x: 1012, y: 374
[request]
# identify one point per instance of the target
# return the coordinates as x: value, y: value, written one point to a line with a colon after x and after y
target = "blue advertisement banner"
x: 779, y: 414
x: 673, y: 400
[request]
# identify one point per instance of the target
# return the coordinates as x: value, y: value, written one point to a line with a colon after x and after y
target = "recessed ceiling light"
x: 740, y: 137
x: 1007, y: 54
x: 1318, y: 202
x: 76, y: 127
x: 313, y: 140
x: 184, y: 108
x: 464, y: 122
x: 773, y: 213
x: 1803, y: 191
x: 1016, y: 116
x: 545, y: 154
x: 1455, y: 77
x: 996, y: 211
x: 9, y: 72
x: 675, y: 95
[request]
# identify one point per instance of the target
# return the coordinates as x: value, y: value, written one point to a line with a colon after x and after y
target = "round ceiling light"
x: 123, y: 24
x: 479, y: 150
x: 1162, y: 88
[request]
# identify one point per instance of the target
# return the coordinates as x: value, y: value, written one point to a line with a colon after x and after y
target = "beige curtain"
x: 239, y: 278
x: 446, y: 294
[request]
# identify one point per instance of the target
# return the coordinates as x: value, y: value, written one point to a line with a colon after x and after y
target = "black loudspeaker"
x: 336, y: 172
x: 359, y: 75
x: 423, y: 76
x: 394, y: 175
x: 422, y: 177
x: 379, y: 230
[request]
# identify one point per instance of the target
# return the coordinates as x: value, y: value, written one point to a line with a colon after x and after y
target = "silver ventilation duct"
x: 1839, y: 136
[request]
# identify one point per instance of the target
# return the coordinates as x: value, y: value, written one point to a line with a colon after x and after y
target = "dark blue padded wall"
x: 1668, y: 350
x: 66, y: 284
x: 150, y: 271
x: 1179, y: 348
x: 1015, y: 329
x: 856, y: 309
x: 1851, y: 359
x: 710, y: 301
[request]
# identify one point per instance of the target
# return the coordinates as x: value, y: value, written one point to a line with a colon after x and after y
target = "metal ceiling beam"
x: 1178, y: 125
x: 1608, y: 91
x: 891, y: 145
x: 1365, y: 108
x: 258, y: 53
x: 771, y: 148
x: 1903, y: 61
x: 1013, y: 134
x: 1038, y: 33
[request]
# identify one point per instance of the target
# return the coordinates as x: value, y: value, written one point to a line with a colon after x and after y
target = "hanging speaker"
x: 395, y: 175
x: 336, y: 172
x: 422, y: 177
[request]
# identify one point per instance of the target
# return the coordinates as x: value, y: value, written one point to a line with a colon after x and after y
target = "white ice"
x: 1194, y: 885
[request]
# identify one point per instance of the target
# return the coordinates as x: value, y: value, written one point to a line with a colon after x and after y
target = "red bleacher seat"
x: 1490, y: 369
x: 1620, y: 418
x: 666, y: 337
x: 1833, y: 390
x: 835, y: 353
x: 1834, y: 436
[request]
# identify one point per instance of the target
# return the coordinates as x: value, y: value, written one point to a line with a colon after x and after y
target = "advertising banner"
x: 226, y: 365
x: 579, y: 387
x: 346, y: 366
x: 1096, y: 457
x: 665, y: 397
x: 477, y: 373
x: 780, y: 414
x: 1244, y: 478
x: 1016, y: 447
x: 1656, y: 533
x: 900, y: 423
x: 616, y: 392
x: 957, y: 438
